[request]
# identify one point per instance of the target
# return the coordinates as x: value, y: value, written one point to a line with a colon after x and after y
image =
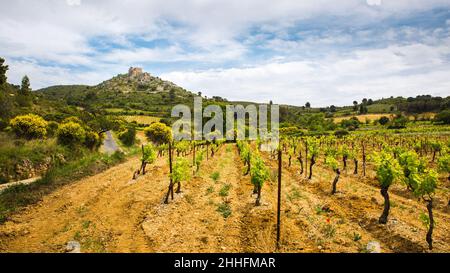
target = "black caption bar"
x: 241, y: 262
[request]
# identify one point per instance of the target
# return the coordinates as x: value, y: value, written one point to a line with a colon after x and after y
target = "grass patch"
x: 210, y: 190
x: 294, y: 195
x: 224, y: 209
x: 356, y: 236
x: 319, y: 209
x: 215, y: 176
x: 224, y: 190
x: 329, y: 230
x: 86, y: 224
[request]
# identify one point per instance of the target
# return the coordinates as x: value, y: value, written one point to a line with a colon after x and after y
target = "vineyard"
x: 337, y: 195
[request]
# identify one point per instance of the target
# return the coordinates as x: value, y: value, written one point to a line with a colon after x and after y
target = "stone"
x: 73, y: 247
x: 373, y: 247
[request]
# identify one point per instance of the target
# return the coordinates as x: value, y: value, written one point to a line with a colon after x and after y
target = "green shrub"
x: 3, y: 124
x: 92, y: 140
x: 443, y: 117
x: 128, y: 136
x: 159, y: 133
x: 72, y: 119
x: 398, y: 123
x: 29, y: 126
x: 341, y: 133
x: 350, y: 124
x: 383, y: 120
x: 52, y: 127
x: 70, y: 133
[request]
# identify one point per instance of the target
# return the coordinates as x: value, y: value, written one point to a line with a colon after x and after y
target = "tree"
x: 172, y: 94
x: 128, y: 136
x: 159, y: 133
x: 387, y: 171
x: 355, y: 105
x: 3, y: 69
x: 29, y: 126
x: 364, y: 101
x: 383, y: 120
x: 363, y: 109
x: 24, y: 98
x: 199, y: 94
x: 443, y: 117
x: 25, y: 87
x: 308, y: 105
x: 332, y: 108
x: 370, y: 102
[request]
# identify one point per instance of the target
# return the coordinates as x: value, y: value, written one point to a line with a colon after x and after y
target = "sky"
x: 290, y: 52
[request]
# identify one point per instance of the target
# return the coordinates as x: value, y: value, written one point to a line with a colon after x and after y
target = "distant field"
x: 379, y: 108
x: 427, y: 115
x: 114, y: 110
x: 141, y: 119
x: 362, y: 118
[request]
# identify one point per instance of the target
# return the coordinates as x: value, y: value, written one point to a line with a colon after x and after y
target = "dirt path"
x: 109, y: 144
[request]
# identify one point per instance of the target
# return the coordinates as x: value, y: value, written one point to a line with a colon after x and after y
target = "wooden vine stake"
x: 170, y: 190
x: 279, y: 198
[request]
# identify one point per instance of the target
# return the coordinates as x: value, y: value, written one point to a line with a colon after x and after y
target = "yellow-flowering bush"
x: 70, y: 133
x: 29, y: 126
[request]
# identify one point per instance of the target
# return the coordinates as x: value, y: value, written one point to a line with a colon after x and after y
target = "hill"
x: 135, y: 92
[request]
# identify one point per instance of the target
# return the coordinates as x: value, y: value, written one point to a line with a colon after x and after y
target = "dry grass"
x: 141, y: 119
x: 362, y: 118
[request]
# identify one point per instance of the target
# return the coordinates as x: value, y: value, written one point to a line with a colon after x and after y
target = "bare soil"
x: 110, y: 212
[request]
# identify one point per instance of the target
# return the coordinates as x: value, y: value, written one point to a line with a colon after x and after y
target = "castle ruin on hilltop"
x: 138, y: 74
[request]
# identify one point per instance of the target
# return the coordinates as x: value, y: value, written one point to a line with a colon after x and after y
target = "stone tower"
x: 134, y: 72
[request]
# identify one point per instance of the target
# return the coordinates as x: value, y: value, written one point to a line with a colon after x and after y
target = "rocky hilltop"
x: 137, y: 80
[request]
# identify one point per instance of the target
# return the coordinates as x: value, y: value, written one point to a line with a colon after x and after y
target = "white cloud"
x: 51, y: 39
x: 73, y: 2
x: 373, y: 2
x: 338, y: 80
